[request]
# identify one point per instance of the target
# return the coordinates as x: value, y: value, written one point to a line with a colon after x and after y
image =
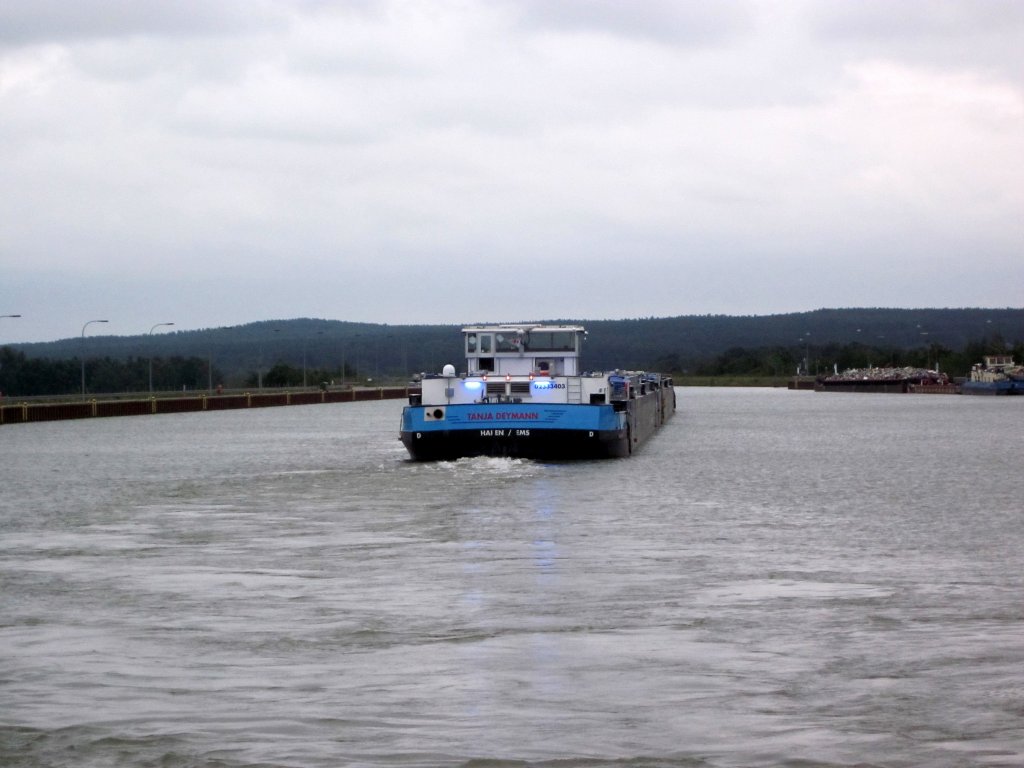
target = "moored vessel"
x: 907, y: 379
x: 995, y: 375
x: 522, y: 394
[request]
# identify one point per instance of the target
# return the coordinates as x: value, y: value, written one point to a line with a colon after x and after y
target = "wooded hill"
x: 689, y: 343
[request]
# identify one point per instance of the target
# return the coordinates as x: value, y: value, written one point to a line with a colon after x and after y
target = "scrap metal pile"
x: 907, y: 374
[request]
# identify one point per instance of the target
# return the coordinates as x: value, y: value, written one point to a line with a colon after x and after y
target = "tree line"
x: 823, y: 359
x: 22, y: 376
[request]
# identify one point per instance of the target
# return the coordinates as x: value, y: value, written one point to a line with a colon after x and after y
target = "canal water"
x: 777, y: 579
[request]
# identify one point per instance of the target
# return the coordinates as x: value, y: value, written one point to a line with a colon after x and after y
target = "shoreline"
x: 25, y: 411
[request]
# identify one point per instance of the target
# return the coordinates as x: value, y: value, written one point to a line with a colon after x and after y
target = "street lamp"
x: 2, y: 316
x: 1, y: 393
x: 83, y: 350
x: 151, y: 356
x: 304, y: 340
x: 807, y: 352
x: 259, y: 371
x: 344, y: 344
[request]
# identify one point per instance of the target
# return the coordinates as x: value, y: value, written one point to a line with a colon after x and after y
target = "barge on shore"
x: 522, y: 395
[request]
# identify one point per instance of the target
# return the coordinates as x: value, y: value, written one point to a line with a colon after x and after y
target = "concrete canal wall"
x: 24, y: 412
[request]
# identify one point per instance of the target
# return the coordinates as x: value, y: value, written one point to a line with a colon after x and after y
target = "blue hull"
x: 533, y: 431
x: 1011, y: 387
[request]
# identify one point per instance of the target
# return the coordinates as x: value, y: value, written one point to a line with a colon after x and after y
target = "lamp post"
x: 357, y: 341
x: 83, y: 350
x: 1, y: 393
x: 151, y: 356
x: 2, y: 316
x: 806, y: 339
x: 304, y: 340
x: 9, y: 315
x: 259, y: 373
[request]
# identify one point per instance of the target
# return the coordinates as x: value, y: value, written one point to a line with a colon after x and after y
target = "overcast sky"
x: 214, y: 163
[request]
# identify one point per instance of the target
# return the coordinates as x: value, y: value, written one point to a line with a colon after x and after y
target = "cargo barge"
x: 523, y: 395
x: 887, y: 380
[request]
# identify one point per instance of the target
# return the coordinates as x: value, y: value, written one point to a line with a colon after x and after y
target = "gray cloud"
x: 25, y: 22
x: 399, y: 162
x: 665, y: 21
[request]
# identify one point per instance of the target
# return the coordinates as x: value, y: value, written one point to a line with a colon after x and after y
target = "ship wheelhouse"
x: 518, y: 363
x: 537, y: 364
x: 521, y: 350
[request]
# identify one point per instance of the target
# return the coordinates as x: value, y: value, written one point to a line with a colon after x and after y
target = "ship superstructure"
x: 996, y: 375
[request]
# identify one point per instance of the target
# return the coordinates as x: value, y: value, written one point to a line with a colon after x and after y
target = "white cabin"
x: 519, y: 350
x: 995, y: 368
x: 540, y: 364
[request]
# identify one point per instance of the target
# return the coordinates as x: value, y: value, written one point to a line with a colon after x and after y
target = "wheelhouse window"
x: 551, y: 341
x: 508, y: 342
